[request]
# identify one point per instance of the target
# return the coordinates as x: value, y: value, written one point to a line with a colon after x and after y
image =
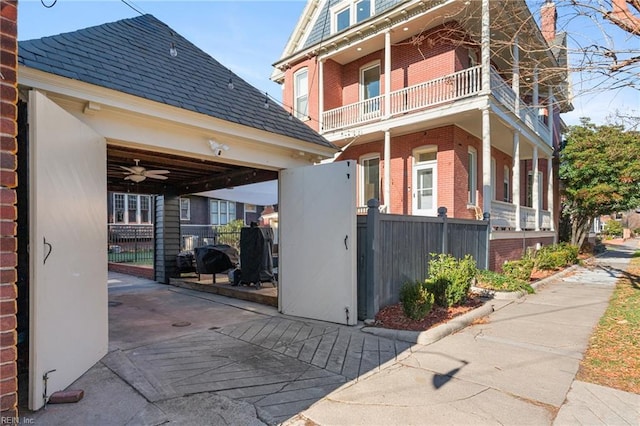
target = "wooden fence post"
x: 442, y: 213
x: 371, y: 253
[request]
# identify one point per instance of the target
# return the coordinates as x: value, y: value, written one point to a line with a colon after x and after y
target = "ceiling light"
x: 137, y: 178
x: 405, y: 29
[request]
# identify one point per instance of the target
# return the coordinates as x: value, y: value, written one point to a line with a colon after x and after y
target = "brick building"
x: 8, y: 210
x: 453, y: 104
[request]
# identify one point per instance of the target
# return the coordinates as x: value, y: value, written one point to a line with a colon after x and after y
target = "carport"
x: 97, y: 99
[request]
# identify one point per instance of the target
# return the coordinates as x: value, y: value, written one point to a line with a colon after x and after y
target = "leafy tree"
x: 600, y: 171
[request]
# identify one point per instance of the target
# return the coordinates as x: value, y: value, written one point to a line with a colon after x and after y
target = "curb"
x: 433, y: 335
x: 458, y: 323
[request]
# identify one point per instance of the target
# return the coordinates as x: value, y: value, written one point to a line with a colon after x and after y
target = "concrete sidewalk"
x: 517, y: 368
x: 181, y: 357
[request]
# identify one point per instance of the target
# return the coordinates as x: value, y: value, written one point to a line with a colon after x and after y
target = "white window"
x: 369, y: 178
x: 350, y: 12
x: 301, y: 94
x: 472, y: 179
x: 118, y: 208
x: 506, y: 183
x: 494, y: 180
x: 145, y: 209
x: 131, y: 208
x: 222, y: 212
x: 185, y: 209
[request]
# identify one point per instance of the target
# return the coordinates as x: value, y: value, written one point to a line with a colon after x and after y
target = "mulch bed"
x: 393, y: 317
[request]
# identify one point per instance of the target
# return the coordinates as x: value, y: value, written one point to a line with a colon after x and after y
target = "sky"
x: 249, y: 36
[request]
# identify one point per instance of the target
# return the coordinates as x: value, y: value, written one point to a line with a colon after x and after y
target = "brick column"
x: 8, y: 211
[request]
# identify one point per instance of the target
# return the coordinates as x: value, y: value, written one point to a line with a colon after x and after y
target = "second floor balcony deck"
x: 432, y: 94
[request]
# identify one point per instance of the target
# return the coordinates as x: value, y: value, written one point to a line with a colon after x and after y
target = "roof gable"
x: 132, y: 56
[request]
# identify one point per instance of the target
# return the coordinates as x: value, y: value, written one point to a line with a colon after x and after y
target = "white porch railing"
x: 353, y: 114
x: 503, y: 216
x: 364, y: 209
x: 449, y: 88
x: 433, y: 92
x: 528, y: 114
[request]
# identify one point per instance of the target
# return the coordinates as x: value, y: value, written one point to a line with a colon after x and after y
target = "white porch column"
x: 550, y: 205
x: 486, y: 160
x: 386, y: 188
x: 320, y: 94
x: 535, y: 196
x: 485, y: 48
x: 486, y: 119
x: 387, y: 73
x: 515, y: 178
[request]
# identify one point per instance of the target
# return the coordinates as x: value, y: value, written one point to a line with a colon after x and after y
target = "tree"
x: 600, y: 172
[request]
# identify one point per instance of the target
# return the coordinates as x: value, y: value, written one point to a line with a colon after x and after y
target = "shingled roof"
x: 132, y: 56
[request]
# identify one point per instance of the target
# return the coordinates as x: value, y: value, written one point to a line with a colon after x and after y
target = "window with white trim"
x: 301, y: 94
x: 506, y: 184
x: 185, y: 209
x: 119, y: 208
x: 131, y: 208
x: 350, y: 12
x: 222, y: 212
x: 369, y: 178
x: 472, y: 179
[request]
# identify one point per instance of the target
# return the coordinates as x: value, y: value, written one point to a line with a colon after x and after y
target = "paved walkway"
x: 181, y: 357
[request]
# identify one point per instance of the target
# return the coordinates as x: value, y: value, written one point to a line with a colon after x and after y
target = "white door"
x: 425, y: 190
x: 68, y: 248
x: 317, y: 248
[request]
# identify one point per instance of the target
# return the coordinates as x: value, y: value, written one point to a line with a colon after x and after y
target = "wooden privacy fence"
x: 394, y: 249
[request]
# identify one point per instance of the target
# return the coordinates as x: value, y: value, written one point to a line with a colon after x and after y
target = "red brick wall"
x: 502, y: 250
x: 136, y: 271
x: 452, y: 143
x: 8, y: 211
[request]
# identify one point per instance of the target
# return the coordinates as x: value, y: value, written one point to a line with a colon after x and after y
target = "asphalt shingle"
x: 132, y: 56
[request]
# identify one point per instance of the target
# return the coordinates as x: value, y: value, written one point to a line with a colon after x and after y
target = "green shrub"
x: 556, y: 256
x: 416, y: 300
x: 230, y: 233
x: 450, y: 279
x: 518, y: 269
x: 500, y: 282
x: 613, y: 228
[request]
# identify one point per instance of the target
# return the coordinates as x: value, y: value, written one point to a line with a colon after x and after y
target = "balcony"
x: 503, y: 216
x: 433, y: 93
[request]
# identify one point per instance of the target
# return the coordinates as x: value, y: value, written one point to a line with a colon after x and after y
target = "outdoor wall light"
x: 217, y: 148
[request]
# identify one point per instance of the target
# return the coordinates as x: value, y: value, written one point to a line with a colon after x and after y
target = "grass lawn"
x: 141, y: 258
x: 613, y: 357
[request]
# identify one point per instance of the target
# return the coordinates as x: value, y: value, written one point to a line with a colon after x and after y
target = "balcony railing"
x: 449, y: 88
x: 503, y: 216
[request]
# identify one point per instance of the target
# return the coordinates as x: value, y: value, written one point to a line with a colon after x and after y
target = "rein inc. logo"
x: 4, y: 420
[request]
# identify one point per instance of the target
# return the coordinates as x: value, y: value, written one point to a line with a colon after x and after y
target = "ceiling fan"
x: 138, y: 173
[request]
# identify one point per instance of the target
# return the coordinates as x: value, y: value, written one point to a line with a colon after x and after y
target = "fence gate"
x: 317, y: 259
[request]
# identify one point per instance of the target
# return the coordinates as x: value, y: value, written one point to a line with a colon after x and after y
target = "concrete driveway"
x: 181, y: 356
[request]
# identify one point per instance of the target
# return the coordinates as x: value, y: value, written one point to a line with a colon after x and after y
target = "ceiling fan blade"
x: 129, y: 169
x: 135, y: 178
x: 157, y: 172
x: 156, y: 177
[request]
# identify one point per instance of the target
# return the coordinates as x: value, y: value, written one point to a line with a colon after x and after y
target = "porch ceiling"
x: 186, y: 175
